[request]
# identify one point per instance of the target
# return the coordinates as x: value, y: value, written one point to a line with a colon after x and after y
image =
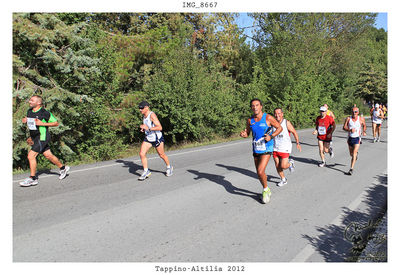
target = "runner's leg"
x: 261, y: 163
x: 321, y: 150
x: 49, y: 155
x: 143, y: 151
x: 278, y: 167
x: 354, y: 155
x: 374, y: 129
x: 32, y: 162
x: 161, y: 153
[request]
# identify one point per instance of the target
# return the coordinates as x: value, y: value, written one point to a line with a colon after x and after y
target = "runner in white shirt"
x: 377, y: 117
x: 283, y: 146
x: 152, y: 128
x: 353, y: 125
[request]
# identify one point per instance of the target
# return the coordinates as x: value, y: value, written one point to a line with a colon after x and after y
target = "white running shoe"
x: 291, y: 167
x: 64, y: 172
x: 282, y: 182
x: 168, y: 173
x: 322, y: 164
x: 28, y: 182
x: 331, y: 154
x: 145, y: 175
x: 266, y: 196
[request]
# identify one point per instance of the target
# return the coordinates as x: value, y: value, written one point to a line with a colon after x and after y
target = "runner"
x: 330, y: 113
x: 152, y: 128
x: 283, y: 146
x: 38, y: 121
x: 384, y: 109
x: 353, y: 125
x: 376, y: 117
x: 325, y: 126
x: 260, y: 124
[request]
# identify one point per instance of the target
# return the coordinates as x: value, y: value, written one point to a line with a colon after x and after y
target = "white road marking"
x: 170, y: 155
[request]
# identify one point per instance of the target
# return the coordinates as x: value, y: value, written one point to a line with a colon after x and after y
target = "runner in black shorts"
x: 38, y: 120
x: 353, y: 125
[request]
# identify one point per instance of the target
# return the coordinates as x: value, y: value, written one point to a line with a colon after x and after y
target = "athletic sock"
x: 146, y: 169
x: 62, y: 168
x: 33, y: 177
x: 169, y: 166
x: 266, y: 189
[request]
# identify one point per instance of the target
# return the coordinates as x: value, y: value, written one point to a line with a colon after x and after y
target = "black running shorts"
x: 40, y: 146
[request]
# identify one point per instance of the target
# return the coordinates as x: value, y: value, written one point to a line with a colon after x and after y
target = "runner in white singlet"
x: 152, y: 128
x: 283, y: 146
x: 376, y: 117
x: 353, y: 125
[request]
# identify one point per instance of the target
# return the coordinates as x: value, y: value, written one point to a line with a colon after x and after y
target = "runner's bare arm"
x: 245, y: 133
x: 364, y: 125
x: 346, y: 125
x: 274, y: 123
x: 294, y: 132
x: 156, y: 122
x: 48, y: 124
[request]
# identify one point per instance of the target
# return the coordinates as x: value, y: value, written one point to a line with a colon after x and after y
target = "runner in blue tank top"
x: 260, y: 124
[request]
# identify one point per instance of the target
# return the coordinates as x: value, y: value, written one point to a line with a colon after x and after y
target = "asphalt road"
x: 208, y: 211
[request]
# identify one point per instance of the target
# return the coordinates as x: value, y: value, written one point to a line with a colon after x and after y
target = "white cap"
x: 323, y: 108
x: 376, y: 105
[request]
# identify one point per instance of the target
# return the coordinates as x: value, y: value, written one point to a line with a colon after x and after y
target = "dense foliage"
x: 197, y: 71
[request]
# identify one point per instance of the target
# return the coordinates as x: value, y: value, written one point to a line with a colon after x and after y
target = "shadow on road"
x: 226, y: 184
x: 247, y: 172
x: 346, y: 242
x: 133, y: 167
x: 305, y: 160
x: 332, y: 166
x: 47, y: 172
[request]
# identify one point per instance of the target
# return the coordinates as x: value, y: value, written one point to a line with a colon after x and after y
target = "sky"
x: 245, y: 21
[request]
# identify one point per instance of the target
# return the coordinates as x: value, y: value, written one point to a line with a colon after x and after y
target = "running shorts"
x: 325, y: 140
x: 281, y: 155
x: 40, y: 146
x: 353, y: 141
x: 155, y: 143
x: 256, y: 155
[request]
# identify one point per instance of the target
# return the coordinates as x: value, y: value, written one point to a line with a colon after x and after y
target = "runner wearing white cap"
x: 376, y: 117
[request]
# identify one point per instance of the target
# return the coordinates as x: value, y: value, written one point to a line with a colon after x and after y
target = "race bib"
x: 259, y: 145
x: 321, y: 130
x: 31, y: 123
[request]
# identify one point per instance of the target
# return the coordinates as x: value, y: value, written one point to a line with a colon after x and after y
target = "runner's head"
x: 322, y: 111
x: 35, y: 101
x: 278, y: 113
x: 144, y: 106
x: 376, y: 106
x: 256, y: 106
x: 355, y: 112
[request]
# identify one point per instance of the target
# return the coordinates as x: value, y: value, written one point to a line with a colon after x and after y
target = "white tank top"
x: 282, y: 142
x: 375, y: 117
x: 151, y: 135
x: 355, y: 125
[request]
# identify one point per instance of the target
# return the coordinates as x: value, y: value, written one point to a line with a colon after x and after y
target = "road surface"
x: 208, y: 211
